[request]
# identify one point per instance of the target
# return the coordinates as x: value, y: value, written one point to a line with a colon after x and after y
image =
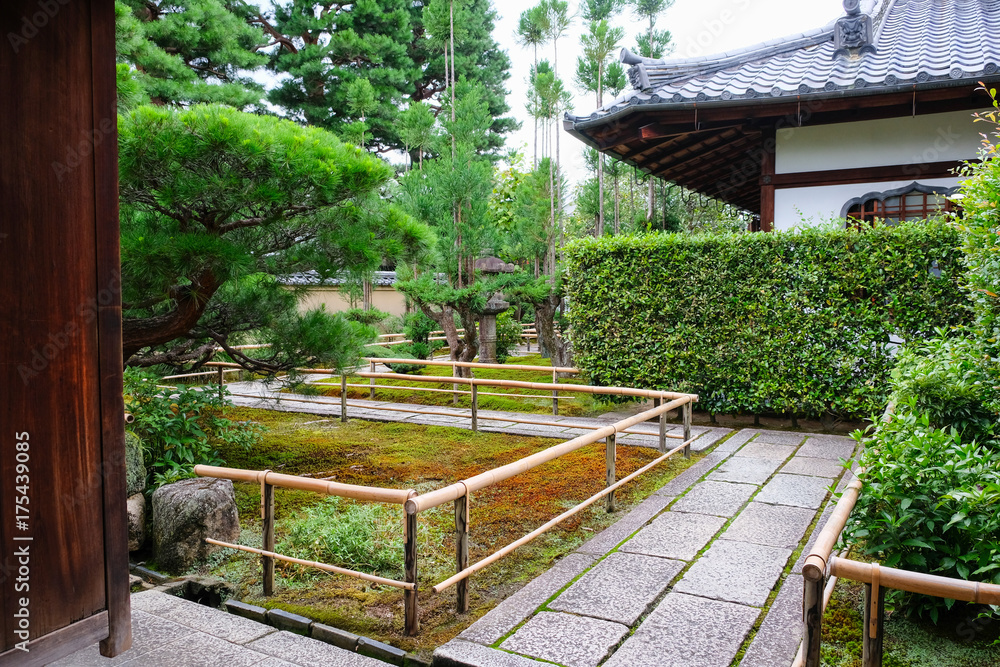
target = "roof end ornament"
x: 637, y: 74
x: 853, y: 33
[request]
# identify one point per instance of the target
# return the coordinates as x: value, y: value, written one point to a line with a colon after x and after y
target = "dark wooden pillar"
x: 64, y: 554
x: 768, y: 143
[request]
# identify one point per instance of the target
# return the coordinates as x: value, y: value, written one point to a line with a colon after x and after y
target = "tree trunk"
x: 617, y: 206
x: 651, y: 205
x: 558, y: 348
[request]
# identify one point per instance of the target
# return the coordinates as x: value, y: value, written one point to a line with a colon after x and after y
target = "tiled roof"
x: 380, y: 279
x: 921, y: 43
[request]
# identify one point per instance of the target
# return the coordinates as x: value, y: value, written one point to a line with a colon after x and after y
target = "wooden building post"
x: 768, y: 146
x: 61, y: 358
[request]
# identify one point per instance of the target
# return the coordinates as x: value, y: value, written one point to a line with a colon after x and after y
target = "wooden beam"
x: 767, y: 181
x: 898, y: 172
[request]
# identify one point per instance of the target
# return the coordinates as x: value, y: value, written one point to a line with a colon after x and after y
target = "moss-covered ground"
x: 513, y: 400
x: 422, y: 458
x: 960, y: 639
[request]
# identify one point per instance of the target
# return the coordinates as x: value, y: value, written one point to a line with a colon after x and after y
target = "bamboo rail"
x: 449, y: 391
x: 490, y: 477
x: 369, y: 493
x: 489, y: 560
x: 311, y: 563
x: 916, y: 582
x: 474, y: 364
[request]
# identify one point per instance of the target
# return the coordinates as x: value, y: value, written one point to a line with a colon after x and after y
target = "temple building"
x: 869, y: 116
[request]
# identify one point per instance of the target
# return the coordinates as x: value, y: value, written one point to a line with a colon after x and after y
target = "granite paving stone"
x: 736, y: 441
x: 198, y: 650
x: 796, y: 490
x: 675, y: 535
x: 735, y: 572
x: 680, y: 484
x: 216, y: 623
x: 745, y: 470
x: 829, y: 447
x: 766, y: 450
x: 505, y: 616
x: 149, y: 632
x: 620, y: 588
x: 806, y: 465
x: 458, y: 653
x: 781, y: 438
x: 309, y: 652
x: 638, y: 516
x: 687, y: 631
x: 777, y: 640
x: 770, y: 525
x: 717, y: 498
x: 573, y: 641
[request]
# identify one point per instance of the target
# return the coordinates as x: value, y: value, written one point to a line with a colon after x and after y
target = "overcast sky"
x: 699, y: 28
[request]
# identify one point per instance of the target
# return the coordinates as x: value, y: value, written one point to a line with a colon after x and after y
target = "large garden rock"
x: 136, y: 521
x: 135, y: 471
x: 185, y: 513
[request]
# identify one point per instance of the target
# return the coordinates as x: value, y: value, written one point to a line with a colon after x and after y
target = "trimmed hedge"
x: 786, y: 322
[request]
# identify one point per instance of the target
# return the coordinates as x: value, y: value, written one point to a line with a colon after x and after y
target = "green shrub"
x: 395, y: 352
x: 181, y: 428
x: 930, y: 503
x: 508, y: 335
x: 369, y: 318
x: 786, y: 322
x: 362, y: 536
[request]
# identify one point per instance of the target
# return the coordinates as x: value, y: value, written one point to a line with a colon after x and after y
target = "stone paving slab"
x: 745, y: 470
x: 687, y: 631
x: 213, y: 622
x: 308, y: 652
x: 759, y: 449
x: 200, y: 650
x: 795, y: 490
x: 806, y: 465
x: 735, y: 572
x: 716, y: 498
x: 781, y: 438
x: 508, y: 614
x: 771, y: 525
x: 573, y: 641
x: 675, y: 535
x: 777, y: 640
x: 680, y: 484
x: 149, y: 632
x: 829, y: 447
x: 617, y: 532
x: 458, y: 653
x: 620, y: 588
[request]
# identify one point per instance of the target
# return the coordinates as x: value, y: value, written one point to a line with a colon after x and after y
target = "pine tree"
x: 532, y: 29
x: 190, y: 51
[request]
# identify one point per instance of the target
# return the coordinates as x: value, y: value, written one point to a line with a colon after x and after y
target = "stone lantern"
x: 495, y: 306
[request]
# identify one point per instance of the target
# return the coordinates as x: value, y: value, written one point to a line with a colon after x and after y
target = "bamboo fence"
x: 822, y: 570
x: 458, y: 492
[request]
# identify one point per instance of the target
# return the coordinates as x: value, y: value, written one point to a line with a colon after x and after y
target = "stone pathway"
x: 260, y: 395
x: 169, y: 631
x: 682, y: 579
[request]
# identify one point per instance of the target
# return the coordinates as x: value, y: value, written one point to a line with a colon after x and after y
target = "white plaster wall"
x: 795, y: 207
x: 878, y: 143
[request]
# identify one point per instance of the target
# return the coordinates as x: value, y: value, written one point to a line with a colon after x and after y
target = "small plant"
x: 365, y: 537
x: 508, y: 335
x: 181, y: 427
x: 930, y: 503
x: 369, y: 318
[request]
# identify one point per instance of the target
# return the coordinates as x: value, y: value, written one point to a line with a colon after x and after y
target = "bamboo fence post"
x: 687, y: 428
x: 555, y: 394
x: 222, y: 382
x: 267, y: 498
x: 371, y: 381
x: 462, y: 550
x: 475, y: 409
x: 812, y: 619
x: 874, y: 616
x: 610, y: 451
x: 454, y: 387
x: 410, y: 609
x: 343, y: 396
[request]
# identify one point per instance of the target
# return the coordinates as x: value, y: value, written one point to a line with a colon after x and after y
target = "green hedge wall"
x: 780, y: 323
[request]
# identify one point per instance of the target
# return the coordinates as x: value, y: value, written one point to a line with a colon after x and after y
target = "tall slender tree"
x: 532, y: 30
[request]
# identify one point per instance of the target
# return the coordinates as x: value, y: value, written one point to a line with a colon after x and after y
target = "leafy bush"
x: 508, y: 335
x: 395, y: 352
x: 369, y: 318
x: 362, y: 536
x: 786, y: 322
x: 181, y: 428
x: 929, y: 503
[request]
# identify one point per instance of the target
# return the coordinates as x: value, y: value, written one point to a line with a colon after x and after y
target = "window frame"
x: 881, y: 197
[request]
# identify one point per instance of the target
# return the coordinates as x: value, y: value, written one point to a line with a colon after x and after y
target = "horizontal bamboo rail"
x: 191, y: 375
x: 917, y: 582
x: 489, y: 560
x: 320, y: 566
x: 477, y: 482
x: 473, y: 364
x: 370, y: 493
x: 454, y: 391
x: 816, y: 562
